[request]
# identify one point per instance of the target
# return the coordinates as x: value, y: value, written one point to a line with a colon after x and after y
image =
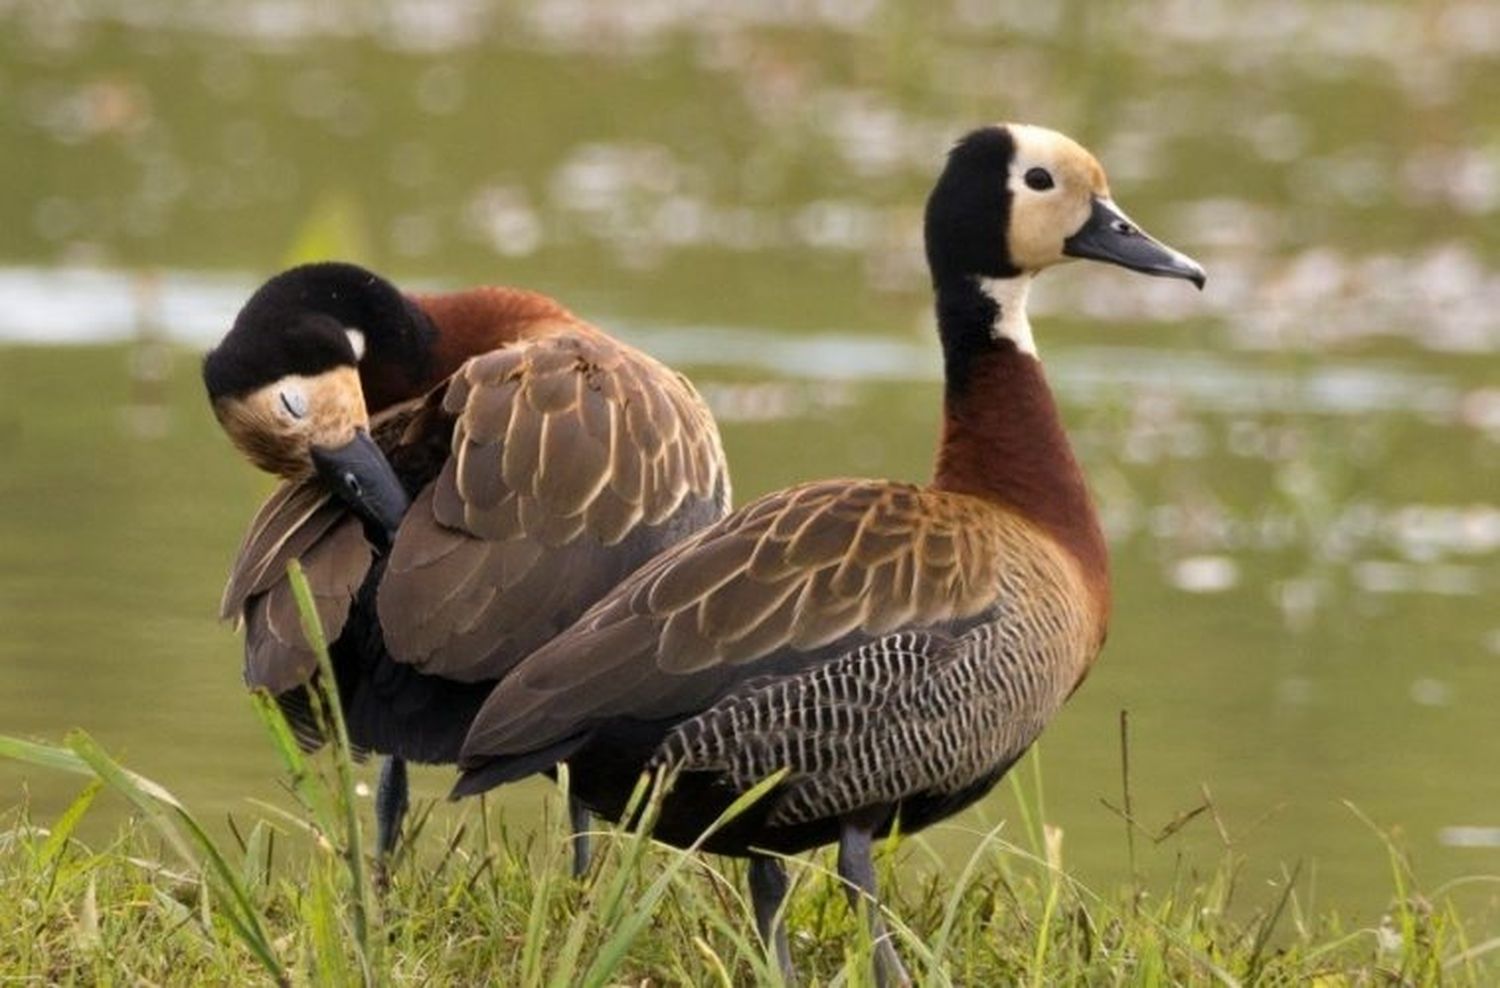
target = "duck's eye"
x: 295, y: 403
x: 1038, y: 179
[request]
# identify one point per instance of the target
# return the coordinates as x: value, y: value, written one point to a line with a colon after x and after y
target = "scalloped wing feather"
x: 277, y: 655
x: 295, y: 516
x: 302, y: 520
x: 834, y: 563
x: 567, y: 449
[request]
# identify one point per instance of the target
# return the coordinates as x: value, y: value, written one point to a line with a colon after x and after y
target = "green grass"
x: 280, y: 903
x: 288, y: 899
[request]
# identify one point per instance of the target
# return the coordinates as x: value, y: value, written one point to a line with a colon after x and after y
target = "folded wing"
x: 299, y: 521
x: 573, y: 459
x: 800, y: 577
x: 545, y: 472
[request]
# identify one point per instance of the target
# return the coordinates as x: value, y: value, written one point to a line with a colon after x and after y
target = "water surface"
x: 1299, y: 468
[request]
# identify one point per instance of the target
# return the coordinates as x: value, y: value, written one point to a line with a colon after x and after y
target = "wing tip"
x: 483, y: 774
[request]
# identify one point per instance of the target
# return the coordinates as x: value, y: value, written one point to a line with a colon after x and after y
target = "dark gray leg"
x: 579, y: 818
x: 767, y: 893
x: 391, y: 803
x: 858, y: 872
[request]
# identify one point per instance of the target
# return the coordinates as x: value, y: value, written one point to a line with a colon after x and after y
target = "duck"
x: 890, y: 648
x: 462, y: 475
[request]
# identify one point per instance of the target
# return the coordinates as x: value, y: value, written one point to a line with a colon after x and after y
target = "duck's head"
x: 1015, y: 199
x: 285, y: 382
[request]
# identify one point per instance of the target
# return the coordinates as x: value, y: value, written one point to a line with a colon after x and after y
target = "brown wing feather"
x: 564, y: 448
x: 277, y: 655
x: 298, y: 521
x: 302, y: 520
x: 294, y: 517
x: 831, y: 563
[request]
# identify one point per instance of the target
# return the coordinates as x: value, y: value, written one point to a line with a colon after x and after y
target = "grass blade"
x: 57, y: 841
x: 609, y: 957
x: 343, y: 761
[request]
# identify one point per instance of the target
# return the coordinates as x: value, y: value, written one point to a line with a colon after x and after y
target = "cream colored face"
x: 1041, y: 219
x: 277, y: 425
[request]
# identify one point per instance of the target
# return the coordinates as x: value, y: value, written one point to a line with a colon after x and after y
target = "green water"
x: 1300, y: 469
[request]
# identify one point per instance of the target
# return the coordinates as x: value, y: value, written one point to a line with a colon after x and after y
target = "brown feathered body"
x: 893, y: 647
x: 545, y: 461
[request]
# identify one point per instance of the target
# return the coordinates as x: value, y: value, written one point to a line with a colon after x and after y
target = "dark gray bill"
x: 359, y: 473
x: 1109, y: 235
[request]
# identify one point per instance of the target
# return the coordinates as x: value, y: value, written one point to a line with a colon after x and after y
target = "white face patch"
x: 1052, y: 181
x: 276, y: 425
x: 357, y: 341
x: 1013, y: 324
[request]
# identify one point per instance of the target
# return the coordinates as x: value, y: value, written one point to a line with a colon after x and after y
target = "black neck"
x: 399, y: 337
x: 405, y: 342
x: 395, y: 330
x: 400, y: 358
x: 966, y: 318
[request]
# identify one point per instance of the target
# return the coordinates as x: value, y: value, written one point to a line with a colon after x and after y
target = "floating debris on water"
x: 770, y: 401
x: 1430, y: 692
x: 1380, y: 576
x: 1295, y: 691
x: 1205, y: 574
x: 1469, y: 836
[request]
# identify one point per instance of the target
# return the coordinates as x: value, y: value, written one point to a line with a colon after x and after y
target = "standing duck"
x: 464, y: 475
x: 894, y: 648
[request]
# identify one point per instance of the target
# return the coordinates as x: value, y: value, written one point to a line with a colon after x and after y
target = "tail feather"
x: 482, y: 774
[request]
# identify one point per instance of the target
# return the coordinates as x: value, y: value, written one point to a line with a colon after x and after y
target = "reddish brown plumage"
x: 468, y: 323
x: 1003, y: 440
x: 483, y: 319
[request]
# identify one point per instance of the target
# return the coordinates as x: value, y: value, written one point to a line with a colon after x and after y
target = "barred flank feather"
x: 915, y: 712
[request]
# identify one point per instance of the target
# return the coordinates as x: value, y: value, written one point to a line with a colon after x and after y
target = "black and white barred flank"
x: 908, y: 714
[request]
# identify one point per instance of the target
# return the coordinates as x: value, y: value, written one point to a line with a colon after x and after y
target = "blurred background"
x: 1299, y: 468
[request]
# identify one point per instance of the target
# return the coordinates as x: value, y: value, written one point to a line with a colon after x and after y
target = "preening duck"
x: 893, y: 647
x: 464, y: 475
